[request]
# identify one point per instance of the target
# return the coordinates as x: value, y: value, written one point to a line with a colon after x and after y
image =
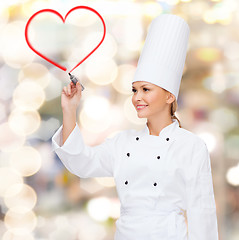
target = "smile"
x: 140, y: 107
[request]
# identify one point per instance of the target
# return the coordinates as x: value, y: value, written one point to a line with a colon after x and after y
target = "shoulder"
x: 190, y: 139
x: 197, y: 150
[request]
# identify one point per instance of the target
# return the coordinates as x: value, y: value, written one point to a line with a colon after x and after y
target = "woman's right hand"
x: 70, y: 96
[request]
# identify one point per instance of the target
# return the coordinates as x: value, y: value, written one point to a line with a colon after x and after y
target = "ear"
x: 170, y: 98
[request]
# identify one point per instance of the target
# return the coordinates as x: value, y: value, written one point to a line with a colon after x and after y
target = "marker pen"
x: 75, y: 80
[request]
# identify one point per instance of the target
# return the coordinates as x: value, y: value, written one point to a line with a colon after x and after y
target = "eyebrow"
x: 141, y: 86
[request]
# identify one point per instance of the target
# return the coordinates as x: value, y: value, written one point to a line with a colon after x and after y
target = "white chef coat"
x: 158, y: 179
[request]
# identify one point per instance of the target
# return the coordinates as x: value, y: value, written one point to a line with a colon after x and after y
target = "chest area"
x: 144, y: 155
x: 150, y: 162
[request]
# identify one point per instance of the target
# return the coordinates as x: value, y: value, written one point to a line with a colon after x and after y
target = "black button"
x: 155, y: 184
x: 167, y: 139
x: 128, y: 154
x: 126, y: 182
x: 137, y: 138
x: 158, y: 157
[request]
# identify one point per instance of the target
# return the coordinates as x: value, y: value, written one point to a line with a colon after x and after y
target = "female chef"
x: 162, y: 172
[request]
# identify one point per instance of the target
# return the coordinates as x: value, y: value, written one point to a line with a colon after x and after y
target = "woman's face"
x: 150, y: 100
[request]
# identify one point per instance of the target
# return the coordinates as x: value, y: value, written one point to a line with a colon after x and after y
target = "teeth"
x: 141, y: 106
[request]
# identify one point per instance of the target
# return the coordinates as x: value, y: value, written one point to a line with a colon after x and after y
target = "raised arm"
x: 80, y: 159
x: 70, y: 99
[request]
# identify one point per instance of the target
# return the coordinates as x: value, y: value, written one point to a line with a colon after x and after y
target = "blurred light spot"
x: 123, y: 82
x: 13, y: 190
x: 20, y: 222
x: 54, y: 88
x: 118, y: 116
x: 99, y: 208
x: 26, y: 160
x: 101, y: 71
x: 115, y: 208
x: 224, y: 118
x: 95, y: 126
x: 10, y: 4
x: 208, y: 54
x: 22, y: 201
x: 83, y: 18
x: 9, y: 235
x: 96, y: 107
x: 128, y: 32
x: 173, y: 2
x: 131, y: 113
x: 15, y: 53
x: 128, y: 55
x: 106, y: 182
x: 123, y: 9
x: 233, y: 175
x: 28, y: 96
x: 209, y: 139
x: 195, y: 9
x: 218, y: 81
x: 151, y: 9
x: 210, y: 133
x: 9, y: 140
x: 90, y: 186
x: 24, y: 122
x: 108, y: 48
x: 231, y: 50
x: 8, y: 177
x: 35, y: 72
x: 221, y: 13
x: 34, y: 6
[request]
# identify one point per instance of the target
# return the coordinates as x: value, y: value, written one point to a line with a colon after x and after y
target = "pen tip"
x: 69, y: 74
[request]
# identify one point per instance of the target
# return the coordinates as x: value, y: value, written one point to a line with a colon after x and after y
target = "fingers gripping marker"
x: 75, y: 80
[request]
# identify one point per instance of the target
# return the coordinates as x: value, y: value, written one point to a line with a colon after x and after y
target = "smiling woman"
x: 161, y: 171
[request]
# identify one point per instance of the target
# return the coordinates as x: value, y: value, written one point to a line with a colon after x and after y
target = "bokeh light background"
x: 39, y: 198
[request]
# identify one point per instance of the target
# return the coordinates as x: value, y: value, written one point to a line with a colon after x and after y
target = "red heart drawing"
x: 63, y: 20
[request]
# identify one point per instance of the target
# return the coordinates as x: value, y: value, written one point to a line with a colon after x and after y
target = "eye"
x: 146, y: 89
x: 133, y: 90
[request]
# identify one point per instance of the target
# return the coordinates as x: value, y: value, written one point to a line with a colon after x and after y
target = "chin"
x: 142, y: 115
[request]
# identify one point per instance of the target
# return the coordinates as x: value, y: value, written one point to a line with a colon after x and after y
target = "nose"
x: 138, y: 96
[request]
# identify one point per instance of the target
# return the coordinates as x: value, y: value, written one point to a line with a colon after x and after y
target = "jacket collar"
x: 165, y: 132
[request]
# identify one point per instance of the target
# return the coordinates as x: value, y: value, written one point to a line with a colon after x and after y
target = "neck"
x: 156, y: 125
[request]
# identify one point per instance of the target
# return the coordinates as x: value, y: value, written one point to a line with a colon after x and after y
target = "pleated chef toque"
x: 164, y: 52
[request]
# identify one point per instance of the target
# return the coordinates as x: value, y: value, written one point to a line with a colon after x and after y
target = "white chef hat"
x: 163, y: 56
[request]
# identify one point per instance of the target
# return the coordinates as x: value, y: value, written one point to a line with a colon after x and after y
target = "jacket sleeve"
x: 201, y: 207
x: 82, y: 160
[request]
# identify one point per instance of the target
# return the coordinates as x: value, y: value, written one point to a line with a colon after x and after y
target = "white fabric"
x: 162, y: 59
x: 182, y: 173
